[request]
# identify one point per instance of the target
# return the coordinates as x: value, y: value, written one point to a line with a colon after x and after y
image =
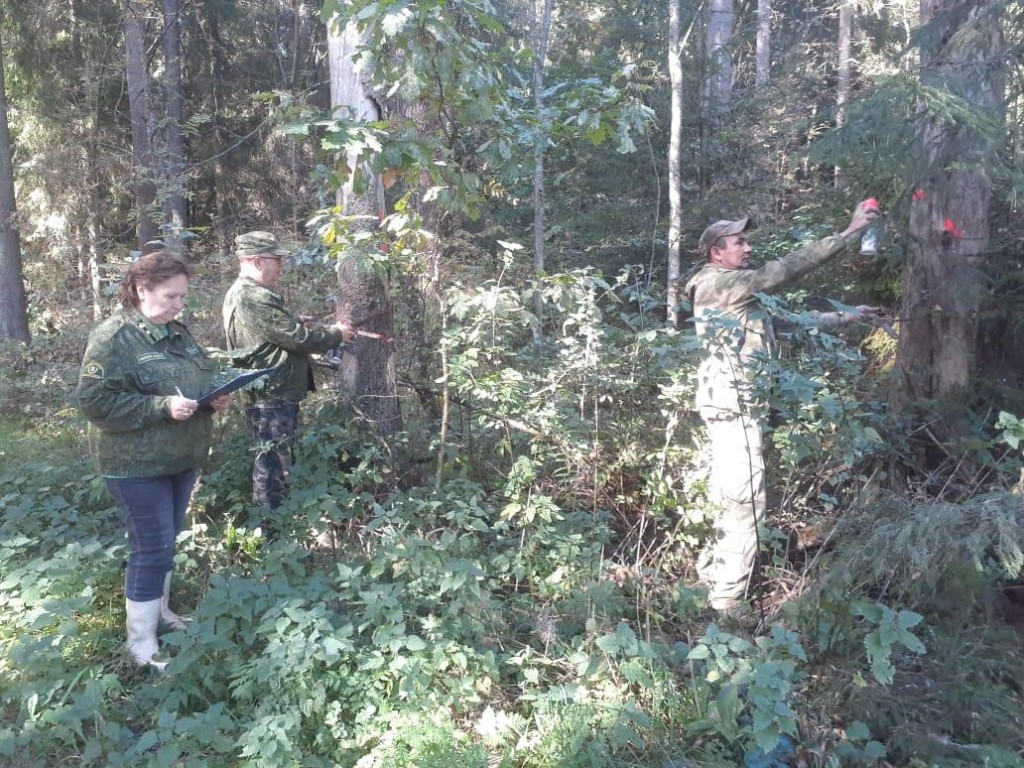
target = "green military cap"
x: 260, y: 243
x: 718, y: 230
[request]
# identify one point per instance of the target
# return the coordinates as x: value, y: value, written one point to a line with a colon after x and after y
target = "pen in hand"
x: 186, y: 412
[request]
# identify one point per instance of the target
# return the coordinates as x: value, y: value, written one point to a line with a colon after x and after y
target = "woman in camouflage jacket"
x: 141, y: 375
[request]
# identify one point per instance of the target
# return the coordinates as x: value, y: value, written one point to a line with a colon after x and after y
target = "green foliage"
x: 52, y: 598
x: 915, y: 549
x: 889, y: 117
x: 398, y: 242
x: 458, y: 62
x: 1012, y: 430
x: 503, y: 617
x: 892, y: 630
x: 751, y: 685
x: 534, y: 604
x: 858, y: 748
x: 944, y: 562
x: 428, y: 739
x: 572, y: 393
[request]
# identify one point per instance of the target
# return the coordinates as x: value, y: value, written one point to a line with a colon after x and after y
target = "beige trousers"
x: 736, y: 493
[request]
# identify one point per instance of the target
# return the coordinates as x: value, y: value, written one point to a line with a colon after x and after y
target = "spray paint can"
x: 872, y: 236
x: 869, y: 241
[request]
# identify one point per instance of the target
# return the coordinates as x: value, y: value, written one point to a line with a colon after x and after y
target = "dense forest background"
x: 491, y: 535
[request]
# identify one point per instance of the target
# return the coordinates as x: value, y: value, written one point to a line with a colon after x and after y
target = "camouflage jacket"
x: 261, y: 333
x: 734, y: 324
x: 130, y: 370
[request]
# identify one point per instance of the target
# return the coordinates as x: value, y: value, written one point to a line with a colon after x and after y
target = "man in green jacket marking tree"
x: 737, y: 332
x: 262, y: 333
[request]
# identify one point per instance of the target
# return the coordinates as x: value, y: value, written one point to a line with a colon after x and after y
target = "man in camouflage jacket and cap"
x: 737, y: 331
x: 262, y: 333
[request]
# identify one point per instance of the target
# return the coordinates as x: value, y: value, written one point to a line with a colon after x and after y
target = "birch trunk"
x: 675, y: 184
x: 843, y: 71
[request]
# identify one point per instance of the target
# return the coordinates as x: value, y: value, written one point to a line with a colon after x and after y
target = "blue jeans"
x: 154, y: 514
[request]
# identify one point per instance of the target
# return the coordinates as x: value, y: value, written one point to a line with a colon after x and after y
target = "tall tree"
x: 949, y: 219
x: 675, y: 146
x: 175, y: 210
x: 540, y: 29
x: 141, y: 120
x: 13, y: 309
x: 88, y: 214
x: 763, y: 53
x: 717, y: 85
x: 721, y: 20
x: 843, y: 69
x: 364, y: 295
x: 215, y: 66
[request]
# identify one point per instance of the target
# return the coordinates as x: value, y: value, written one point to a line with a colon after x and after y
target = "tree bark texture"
x: 364, y: 295
x: 221, y: 215
x: 763, y: 52
x: 843, y: 70
x: 13, y: 308
x: 675, y: 182
x: 175, y: 207
x: 141, y: 119
x: 949, y: 217
x: 721, y: 19
x: 540, y: 29
x: 88, y: 229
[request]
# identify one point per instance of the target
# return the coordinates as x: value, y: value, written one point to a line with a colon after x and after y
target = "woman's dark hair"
x: 149, y: 271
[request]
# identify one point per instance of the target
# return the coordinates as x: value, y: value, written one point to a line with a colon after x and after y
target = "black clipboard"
x: 236, y: 383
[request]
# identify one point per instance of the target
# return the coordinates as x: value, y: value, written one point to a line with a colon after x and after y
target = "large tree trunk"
x: 721, y: 19
x: 13, y: 309
x: 764, y: 43
x: 949, y: 219
x: 717, y: 82
x: 364, y: 295
x: 175, y: 210
x: 675, y: 141
x: 141, y: 117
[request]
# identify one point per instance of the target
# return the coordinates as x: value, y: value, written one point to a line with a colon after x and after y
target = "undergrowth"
x: 528, y: 601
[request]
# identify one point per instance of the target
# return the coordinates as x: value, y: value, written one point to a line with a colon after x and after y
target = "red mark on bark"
x: 950, y: 226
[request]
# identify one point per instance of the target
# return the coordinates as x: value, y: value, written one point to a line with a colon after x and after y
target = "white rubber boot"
x: 168, y: 617
x: 141, y: 623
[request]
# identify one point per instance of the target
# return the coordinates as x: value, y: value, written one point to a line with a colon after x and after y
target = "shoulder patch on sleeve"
x: 92, y: 370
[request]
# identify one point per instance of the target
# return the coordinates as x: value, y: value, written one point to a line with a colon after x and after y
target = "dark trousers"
x: 273, y: 427
x: 154, y: 514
